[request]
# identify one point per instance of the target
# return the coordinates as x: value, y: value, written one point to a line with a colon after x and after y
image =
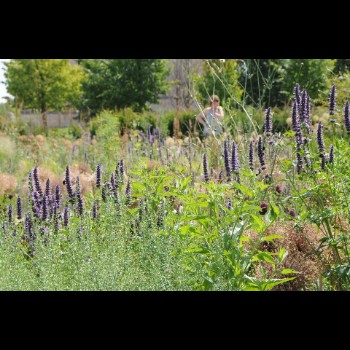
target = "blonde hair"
x: 214, y: 98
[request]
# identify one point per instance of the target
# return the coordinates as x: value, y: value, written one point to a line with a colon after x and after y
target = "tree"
x: 261, y: 80
x: 311, y: 74
x: 44, y: 84
x: 220, y: 77
x: 121, y: 83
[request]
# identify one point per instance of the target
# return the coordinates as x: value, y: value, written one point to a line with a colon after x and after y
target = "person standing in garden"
x: 211, y: 117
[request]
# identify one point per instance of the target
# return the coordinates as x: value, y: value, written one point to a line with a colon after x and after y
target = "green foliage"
x: 119, y: 83
x: 312, y: 74
x: 44, y: 84
x: 220, y: 77
x: 261, y: 79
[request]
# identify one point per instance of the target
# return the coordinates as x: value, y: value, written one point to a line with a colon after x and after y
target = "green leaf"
x: 274, y: 282
x: 245, y: 190
x: 265, y: 256
x: 258, y: 223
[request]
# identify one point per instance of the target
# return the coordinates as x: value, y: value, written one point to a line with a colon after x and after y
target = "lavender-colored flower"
x: 98, y: 175
x: 28, y: 227
x: 205, y: 168
x: 261, y: 153
x: 268, y: 122
x: 331, y: 154
x: 113, y: 182
x: 94, y: 211
x: 320, y: 142
x: 332, y: 99
x: 120, y: 173
x: 229, y: 204
x: 346, y: 118
x: 80, y: 204
x: 297, y: 97
x: 69, y: 185
x: 235, y: 161
x: 58, y: 196
x: 77, y: 186
x: 251, y: 155
x: 37, y: 181
x: 303, y: 106
x: 66, y: 215
x: 299, y: 163
x: 104, y: 192
x: 227, y: 161
x: 10, y: 214
x: 19, y: 208
x: 323, y: 162
x: 128, y: 193
x: 45, y: 209
x: 47, y: 188
x: 295, y: 118
x: 307, y: 114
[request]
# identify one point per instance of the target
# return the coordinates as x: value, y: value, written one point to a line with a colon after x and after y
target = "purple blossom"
x: 128, y: 193
x: 268, y: 122
x: 332, y: 99
x: 98, y: 175
x: 261, y: 153
x: 331, y: 154
x: 227, y: 161
x: 9, y: 213
x: 320, y: 142
x: 58, y: 196
x: 346, y: 118
x: 47, y: 188
x: 19, y: 208
x: 66, y: 215
x: 37, y: 181
x: 205, y: 168
x: 69, y: 185
x: 251, y: 155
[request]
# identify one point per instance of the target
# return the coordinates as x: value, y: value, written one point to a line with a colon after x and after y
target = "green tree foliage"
x: 220, y: 77
x: 312, y: 74
x: 121, y: 83
x: 44, y: 84
x: 261, y: 81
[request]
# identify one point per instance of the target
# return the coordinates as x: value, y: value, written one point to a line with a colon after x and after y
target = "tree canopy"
x: 44, y: 84
x: 120, y: 83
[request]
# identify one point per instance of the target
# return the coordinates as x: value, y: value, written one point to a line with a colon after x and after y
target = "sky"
x: 3, y: 91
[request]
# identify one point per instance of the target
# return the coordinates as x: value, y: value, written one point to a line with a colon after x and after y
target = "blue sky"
x: 3, y: 91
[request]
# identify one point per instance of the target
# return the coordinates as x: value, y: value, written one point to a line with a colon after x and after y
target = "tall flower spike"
x: 331, y: 154
x: 98, y: 175
x: 332, y: 99
x: 57, y: 196
x: 297, y: 97
x: 303, y: 106
x: 320, y: 142
x: 47, y: 188
x: 268, y: 122
x: 346, y: 118
x: 227, y: 161
x: 205, y: 168
x: 10, y: 213
x: 235, y: 161
x: 19, y: 208
x: 251, y: 155
x: 261, y: 153
x: 295, y: 118
x: 94, y: 211
x: 69, y: 185
x: 37, y: 181
x: 80, y: 204
x: 66, y: 215
x: 30, y: 183
x: 45, y: 209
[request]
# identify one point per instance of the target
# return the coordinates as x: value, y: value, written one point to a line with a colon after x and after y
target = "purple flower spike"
x: 205, y: 168
x: 332, y: 99
x: 346, y: 118
x: 268, y: 122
